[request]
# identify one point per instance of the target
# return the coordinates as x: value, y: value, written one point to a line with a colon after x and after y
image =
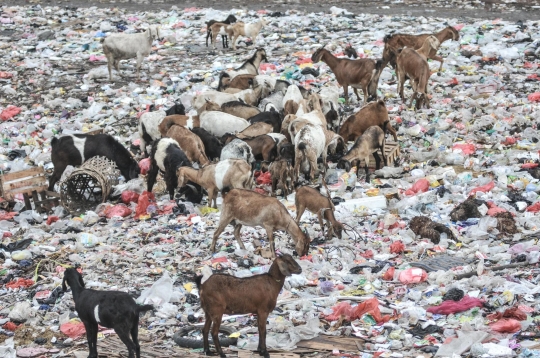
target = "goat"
x: 186, y: 121
x: 293, y: 94
x: 271, y: 117
x: 167, y: 157
x: 111, y: 309
x: 75, y: 149
x: 431, y: 44
x: 237, y: 149
x: 320, y: 205
x: 394, y: 42
x: 190, y: 143
x: 125, y: 46
x: 233, y: 173
x: 411, y: 64
x: 372, y: 114
x: 274, y: 101
x: 286, y: 151
x: 231, y: 19
x: 241, y: 82
x: 263, y: 147
x: 330, y: 105
x: 363, y: 73
x: 368, y: 143
x: 282, y: 175
x: 245, y: 207
x: 219, y: 123
x: 250, y: 66
x: 149, y: 124
x: 226, y: 294
x: 212, y: 145
x: 255, y: 130
x: 309, y: 144
x: 240, y: 109
x: 249, y: 96
x: 247, y: 30
x: 350, y: 52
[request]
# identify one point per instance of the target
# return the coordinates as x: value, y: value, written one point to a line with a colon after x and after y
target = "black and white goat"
x: 75, y: 149
x: 167, y: 156
x: 150, y: 121
x: 231, y: 19
x: 212, y: 145
x: 111, y: 309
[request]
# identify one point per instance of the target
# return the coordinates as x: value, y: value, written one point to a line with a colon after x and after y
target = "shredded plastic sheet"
x: 449, y: 307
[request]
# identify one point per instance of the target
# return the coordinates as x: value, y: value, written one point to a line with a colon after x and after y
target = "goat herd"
x: 249, y: 120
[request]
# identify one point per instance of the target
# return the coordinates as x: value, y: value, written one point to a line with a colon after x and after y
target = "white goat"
x: 330, y: 105
x: 293, y: 93
x: 219, y: 123
x: 248, y: 30
x: 309, y: 144
x: 275, y: 101
x: 125, y: 46
x: 149, y: 128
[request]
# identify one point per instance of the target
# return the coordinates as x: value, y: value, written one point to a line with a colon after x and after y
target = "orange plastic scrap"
x: 21, y: 282
x: 371, y: 306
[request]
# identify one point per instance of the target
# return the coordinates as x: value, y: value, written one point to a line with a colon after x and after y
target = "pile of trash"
x: 440, y: 253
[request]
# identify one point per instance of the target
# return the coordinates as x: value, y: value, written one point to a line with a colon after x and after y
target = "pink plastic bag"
x: 465, y: 148
x: 506, y: 325
x: 412, y: 275
x: 448, y: 307
x: 73, y: 330
x: 145, y: 199
x: 117, y: 210
x: 534, y: 97
x: 9, y: 112
x: 370, y: 306
x: 483, y: 188
x: 144, y: 165
x: 397, y: 247
x: 534, y: 208
x: 421, y: 186
x: 129, y: 196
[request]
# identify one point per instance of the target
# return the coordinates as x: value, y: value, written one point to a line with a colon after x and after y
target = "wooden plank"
x: 27, y: 203
x: 27, y: 190
x: 330, y: 343
x: 250, y: 354
x: 52, y: 193
x: 23, y: 173
x: 35, y: 181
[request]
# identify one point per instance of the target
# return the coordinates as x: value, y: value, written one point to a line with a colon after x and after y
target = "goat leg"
x: 135, y: 336
x: 321, y: 221
x: 206, y: 330
x: 367, y: 170
x: 377, y: 160
x: 152, y: 175
x: 299, y: 212
x: 123, y: 333
x: 270, y: 234
x: 346, y: 91
x: 216, y: 323
x: 222, y: 225
x: 91, y: 336
x: 261, y: 323
x: 237, y: 228
x: 356, y: 93
x: 139, y: 63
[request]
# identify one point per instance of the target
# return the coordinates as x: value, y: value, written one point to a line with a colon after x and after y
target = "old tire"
x: 180, y: 339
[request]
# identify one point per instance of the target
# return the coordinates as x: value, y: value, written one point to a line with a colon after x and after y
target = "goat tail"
x: 225, y: 191
x: 54, y: 141
x: 400, y: 49
x: 379, y: 65
x: 387, y: 37
x: 198, y: 282
x: 302, y: 146
x: 145, y: 308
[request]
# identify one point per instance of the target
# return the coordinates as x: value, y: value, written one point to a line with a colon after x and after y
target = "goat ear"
x: 64, y: 287
x: 81, y: 280
x: 283, y: 267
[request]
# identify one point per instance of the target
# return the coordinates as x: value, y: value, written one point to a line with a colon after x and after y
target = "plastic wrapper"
x: 119, y: 210
x: 160, y: 292
x: 412, y: 275
x: 506, y: 325
x: 129, y: 196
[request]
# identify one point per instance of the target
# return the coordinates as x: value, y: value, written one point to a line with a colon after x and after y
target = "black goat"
x: 111, y: 309
x: 168, y: 157
x: 178, y: 108
x: 212, y: 144
x: 231, y: 19
x: 271, y: 117
x: 75, y: 149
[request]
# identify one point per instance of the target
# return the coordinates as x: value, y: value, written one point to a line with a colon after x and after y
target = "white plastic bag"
x: 160, y: 292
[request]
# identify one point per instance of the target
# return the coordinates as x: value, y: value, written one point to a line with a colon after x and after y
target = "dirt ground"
x: 439, y: 8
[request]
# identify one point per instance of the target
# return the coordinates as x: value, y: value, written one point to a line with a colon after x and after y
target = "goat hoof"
x: 208, y: 353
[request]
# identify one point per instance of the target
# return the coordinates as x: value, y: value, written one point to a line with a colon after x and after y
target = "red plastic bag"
x: 483, y: 188
x: 448, y: 307
x: 21, y: 282
x: 52, y: 219
x: 264, y: 178
x: 370, y: 306
x: 4, y: 215
x: 534, y: 97
x: 10, y: 112
x: 465, y: 148
x: 5, y: 74
x: 145, y: 199
x: 494, y: 209
x: 341, y: 309
x: 513, y: 312
x: 73, y: 330
x: 117, y: 210
x: 509, y: 141
x: 10, y: 326
x: 412, y: 275
x: 389, y: 274
x: 529, y: 165
x: 397, y: 247
x: 534, y: 208
x: 144, y: 165
x: 129, y: 196
x: 506, y: 325
x: 260, y: 191
x: 421, y: 186
x: 267, y: 66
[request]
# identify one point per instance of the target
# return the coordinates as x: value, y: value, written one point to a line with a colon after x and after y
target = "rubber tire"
x: 179, y: 338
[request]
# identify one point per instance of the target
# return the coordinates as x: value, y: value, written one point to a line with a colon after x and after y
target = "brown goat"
x: 190, y: 143
x: 241, y: 82
x: 226, y: 294
x: 215, y: 29
x: 263, y: 147
x: 372, y: 114
x: 186, y: 121
x: 320, y: 205
x: 256, y: 129
x: 394, y: 42
x: 240, y: 109
x: 233, y: 173
x: 411, y: 65
x: 245, y: 207
x: 363, y: 73
x: 282, y: 176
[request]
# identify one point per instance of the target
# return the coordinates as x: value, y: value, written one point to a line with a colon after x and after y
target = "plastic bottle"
x: 89, y: 240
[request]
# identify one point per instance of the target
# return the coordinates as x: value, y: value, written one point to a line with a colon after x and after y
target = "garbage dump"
x: 230, y: 156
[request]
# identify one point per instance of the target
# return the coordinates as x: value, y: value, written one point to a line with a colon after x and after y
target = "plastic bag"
x: 421, y: 186
x: 145, y: 199
x: 129, y: 196
x: 513, y: 312
x: 448, y: 307
x: 465, y: 148
x: 73, y: 330
x: 144, y: 164
x: 506, y: 325
x: 21, y: 312
x: 389, y: 274
x: 370, y: 306
x: 7, y: 349
x: 9, y: 112
x: 397, y: 247
x: 483, y: 188
x: 264, y: 178
x: 117, y: 210
x: 160, y: 292
x: 412, y: 275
